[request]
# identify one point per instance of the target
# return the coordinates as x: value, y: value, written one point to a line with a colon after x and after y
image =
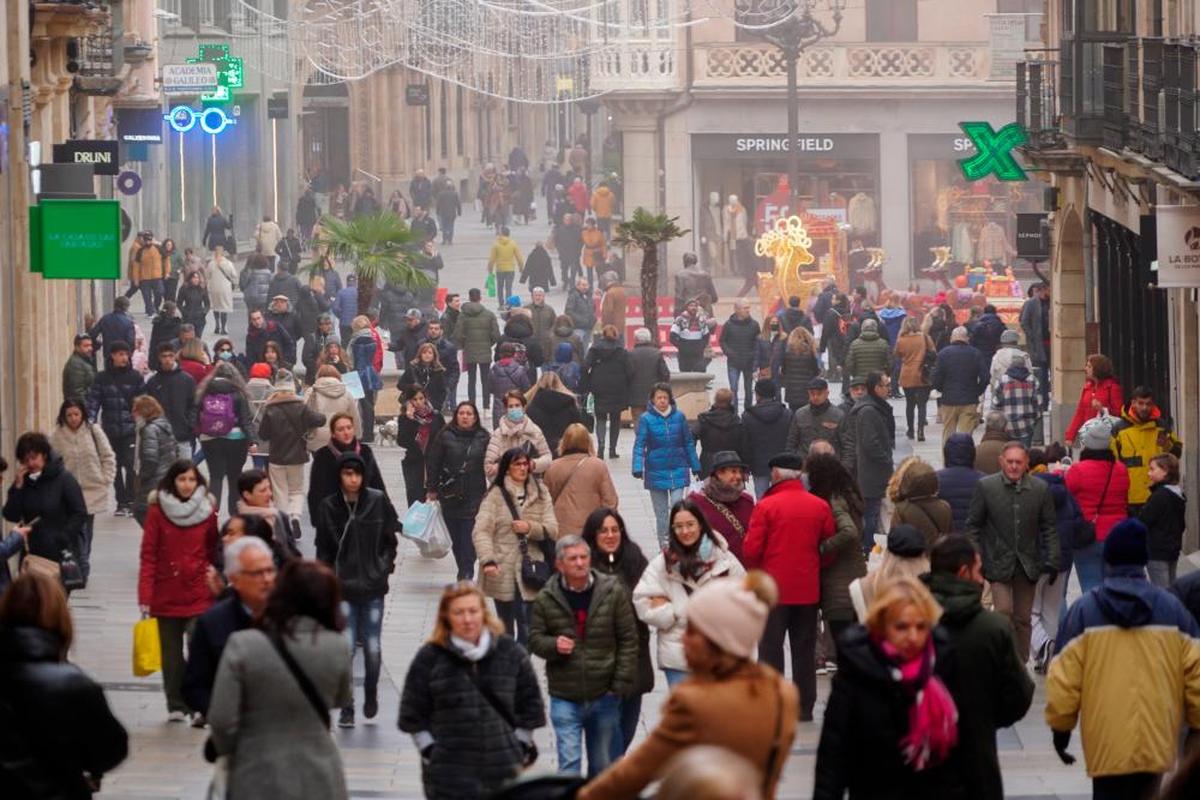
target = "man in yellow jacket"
x: 1127, y: 667
x: 1141, y: 434
x: 603, y: 203
x: 505, y: 260
x: 146, y: 271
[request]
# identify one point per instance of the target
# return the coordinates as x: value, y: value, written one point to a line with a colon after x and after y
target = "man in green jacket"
x: 583, y: 626
x: 476, y: 332
x: 80, y: 370
x: 869, y: 352
x: 991, y: 688
x: 1011, y: 520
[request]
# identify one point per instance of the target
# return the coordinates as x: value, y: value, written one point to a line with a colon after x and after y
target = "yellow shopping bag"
x: 147, y: 653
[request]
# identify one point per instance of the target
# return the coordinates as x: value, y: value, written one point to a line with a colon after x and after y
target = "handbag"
x: 453, y: 486
x: 40, y: 565
x: 1085, y: 533
x: 928, y: 362
x: 534, y: 574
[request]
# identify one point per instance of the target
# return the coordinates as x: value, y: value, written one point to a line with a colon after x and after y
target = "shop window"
x: 892, y: 21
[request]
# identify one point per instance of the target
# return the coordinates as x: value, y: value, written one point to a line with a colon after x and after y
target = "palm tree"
x: 379, y: 245
x: 646, y: 232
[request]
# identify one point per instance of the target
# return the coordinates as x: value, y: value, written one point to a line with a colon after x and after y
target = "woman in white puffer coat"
x: 329, y: 396
x: 695, y: 554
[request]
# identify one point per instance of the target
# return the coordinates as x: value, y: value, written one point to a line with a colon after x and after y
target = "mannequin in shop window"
x: 737, y: 236
x: 712, y: 234
x: 857, y: 260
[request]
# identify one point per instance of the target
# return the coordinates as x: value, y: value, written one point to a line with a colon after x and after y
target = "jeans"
x: 225, y: 457
x: 483, y: 368
x: 631, y: 714
x: 364, y: 619
x: 86, y: 531
x: 463, y: 546
x: 452, y: 389
x: 1133, y: 786
x: 799, y: 624
x: 515, y: 616
x: 874, y: 505
x: 1048, y: 602
x: 152, y: 294
x: 674, y: 676
x: 1014, y: 599
x: 613, y: 421
x: 742, y: 376
x: 287, y: 486
x: 366, y: 412
x: 915, y: 400
x: 585, y: 338
x: 1089, y: 566
x: 662, y: 500
x: 761, y: 484
x: 598, y: 720
x: 447, y: 225
x: 504, y: 284
x: 123, y: 447
x: 172, y: 631
x: 1161, y: 573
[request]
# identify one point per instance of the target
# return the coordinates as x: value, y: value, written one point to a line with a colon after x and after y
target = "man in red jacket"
x: 786, y: 530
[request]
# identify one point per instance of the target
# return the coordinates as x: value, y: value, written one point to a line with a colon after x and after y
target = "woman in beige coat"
x: 500, y: 536
x: 329, y: 396
x: 88, y: 456
x: 516, y: 430
x: 578, y: 481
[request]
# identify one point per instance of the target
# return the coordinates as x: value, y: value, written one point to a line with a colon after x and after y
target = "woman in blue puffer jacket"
x: 1049, y: 599
x: 956, y: 482
x: 664, y: 454
x: 362, y: 351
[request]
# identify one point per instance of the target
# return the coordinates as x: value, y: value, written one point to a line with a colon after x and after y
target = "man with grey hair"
x: 960, y: 376
x: 541, y: 315
x: 649, y: 368
x: 583, y: 626
x: 250, y: 571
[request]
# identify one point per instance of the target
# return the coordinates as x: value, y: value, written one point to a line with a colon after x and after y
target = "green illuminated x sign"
x: 993, y: 151
x: 229, y: 72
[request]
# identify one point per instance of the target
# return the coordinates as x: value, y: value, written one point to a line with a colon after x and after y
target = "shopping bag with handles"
x: 147, y: 653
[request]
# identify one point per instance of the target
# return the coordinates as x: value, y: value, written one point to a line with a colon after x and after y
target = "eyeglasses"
x: 519, y: 464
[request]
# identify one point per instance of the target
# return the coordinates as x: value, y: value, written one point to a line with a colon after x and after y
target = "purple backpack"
x: 218, y: 415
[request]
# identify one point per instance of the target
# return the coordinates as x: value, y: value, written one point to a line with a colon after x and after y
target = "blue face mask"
x: 515, y: 414
x: 224, y: 355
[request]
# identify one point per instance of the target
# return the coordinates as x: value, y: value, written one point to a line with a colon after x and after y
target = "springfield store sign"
x: 1178, y: 247
x: 760, y: 145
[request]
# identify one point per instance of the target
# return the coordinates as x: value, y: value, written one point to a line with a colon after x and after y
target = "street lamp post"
x: 793, y: 26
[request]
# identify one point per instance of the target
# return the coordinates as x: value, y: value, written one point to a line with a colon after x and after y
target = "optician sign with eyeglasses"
x: 212, y: 120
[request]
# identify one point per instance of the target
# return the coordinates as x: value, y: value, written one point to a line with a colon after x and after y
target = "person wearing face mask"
x: 517, y: 430
x: 223, y: 352
x: 455, y: 478
x: 769, y: 349
x: 89, y: 457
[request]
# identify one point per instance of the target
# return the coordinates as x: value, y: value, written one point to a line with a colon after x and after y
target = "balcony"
x: 651, y: 66
x: 1037, y: 104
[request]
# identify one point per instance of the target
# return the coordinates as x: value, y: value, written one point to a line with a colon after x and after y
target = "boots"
x: 920, y: 433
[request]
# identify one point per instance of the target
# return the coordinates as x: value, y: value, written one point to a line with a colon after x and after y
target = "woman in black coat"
x: 324, y: 479
x: 471, y: 701
x: 607, y: 374
x: 454, y: 477
x: 193, y: 303
x: 418, y: 426
x: 719, y: 429
x: 552, y: 407
x: 539, y: 269
x: 164, y: 328
x: 426, y: 372
x: 800, y: 365
x: 52, y: 503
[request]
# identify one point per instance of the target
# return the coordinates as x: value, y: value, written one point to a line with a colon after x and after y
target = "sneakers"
x: 370, y: 705
x: 346, y: 718
x: 123, y: 511
x: 177, y: 716
x: 198, y: 721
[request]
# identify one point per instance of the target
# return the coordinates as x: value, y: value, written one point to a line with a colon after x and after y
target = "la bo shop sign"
x: 1178, y: 247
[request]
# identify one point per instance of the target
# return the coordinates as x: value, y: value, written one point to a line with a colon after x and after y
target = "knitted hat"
x: 1009, y: 337
x: 514, y: 301
x: 960, y: 334
x: 1126, y: 544
x: 352, y: 460
x: 260, y: 370
x: 1096, y: 433
x: 905, y: 541
x: 729, y: 615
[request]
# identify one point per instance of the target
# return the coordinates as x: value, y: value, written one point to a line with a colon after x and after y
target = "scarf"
x: 690, y: 562
x: 186, y: 513
x: 473, y: 652
x: 337, y: 449
x: 270, y: 513
x: 932, y: 717
x: 424, y: 418
x: 720, y: 493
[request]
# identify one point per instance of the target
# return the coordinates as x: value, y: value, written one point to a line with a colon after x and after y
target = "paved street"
x: 165, y: 760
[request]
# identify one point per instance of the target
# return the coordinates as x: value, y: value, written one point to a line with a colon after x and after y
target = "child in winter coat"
x: 1164, y: 517
x: 566, y: 367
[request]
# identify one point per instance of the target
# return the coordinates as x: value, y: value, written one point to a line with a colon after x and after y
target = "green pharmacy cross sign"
x: 993, y: 151
x: 230, y: 75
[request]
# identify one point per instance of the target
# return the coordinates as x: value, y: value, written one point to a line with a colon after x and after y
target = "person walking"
x: 904, y: 555
x: 275, y: 731
x: 584, y: 628
x: 255, y: 282
x: 476, y: 332
x: 420, y: 421
x: 285, y: 424
x: 995, y: 437
x: 724, y: 501
x: 155, y: 451
x: 767, y: 425
x: 504, y: 261
x: 769, y: 349
x: 471, y: 701
x: 913, y: 491
x: 114, y: 327
x: 515, y: 517
x: 226, y: 427
x: 80, y: 370
x: 664, y: 455
x: 739, y: 341
x: 426, y: 373
x: 356, y: 537
x: 874, y: 428
x: 220, y: 278
x: 1019, y: 398
x: 1101, y: 393
x: 694, y: 555
x: 1141, y: 434
x: 553, y: 408
x: 581, y: 308
x: 45, y: 500
x: 648, y: 367
x: 517, y: 430
x: 329, y: 396
x: 180, y: 545
x: 455, y: 479
x: 578, y: 481
x: 448, y: 208
x: 595, y: 250
x: 869, y: 352
x: 818, y: 419
x: 800, y: 367
x: 913, y: 349
x: 1164, y: 516
x: 960, y: 377
x: 323, y: 477
x: 719, y: 429
x: 1012, y: 522
x: 606, y: 376
x: 541, y: 315
x: 784, y: 540
x: 89, y: 458
x: 1100, y: 485
x: 175, y: 390
x: 146, y: 271
x: 841, y: 554
x: 613, y: 304
x: 1127, y: 626
x: 363, y: 350
x: 835, y: 338
x: 1049, y: 600
x: 956, y: 480
x: 194, y: 303
x: 1001, y: 361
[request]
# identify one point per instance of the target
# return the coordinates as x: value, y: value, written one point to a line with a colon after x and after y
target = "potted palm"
x: 379, y: 246
x: 646, y: 232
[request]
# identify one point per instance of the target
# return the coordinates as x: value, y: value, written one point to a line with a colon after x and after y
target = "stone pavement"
x: 165, y: 760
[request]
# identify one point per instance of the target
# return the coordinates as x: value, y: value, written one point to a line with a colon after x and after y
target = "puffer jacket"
x: 1126, y: 627
x: 986, y: 333
x: 811, y: 423
x: 1106, y: 392
x: 286, y: 423
x: 88, y: 456
x: 56, y: 502
x: 767, y: 424
x: 507, y: 374
x: 956, y: 481
x: 475, y: 750
x: 738, y: 341
x: 1164, y: 516
x: 718, y: 429
x: 581, y: 309
x: 961, y: 374
x: 1068, y: 518
x: 329, y: 396
x: 891, y: 319
x: 457, y: 455
x: 256, y: 286
x: 868, y: 353
x: 495, y: 542
x: 176, y: 393
x: 476, y: 332
x: 663, y: 450
x: 145, y: 264
x: 156, y: 451
x: 509, y: 434
x: 363, y: 351
x: 1135, y: 443
x: 607, y: 375
x: 77, y: 377
x: 519, y: 330
x: 917, y: 503
x: 648, y: 367
x: 579, y: 483
x: 359, y: 543
x: 798, y: 369
x: 553, y: 411
x: 847, y: 566
x: 605, y: 659
x: 1086, y: 480
x: 670, y: 619
x: 174, y: 561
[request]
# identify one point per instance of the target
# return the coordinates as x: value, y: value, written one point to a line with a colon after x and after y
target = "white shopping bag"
x: 424, y: 525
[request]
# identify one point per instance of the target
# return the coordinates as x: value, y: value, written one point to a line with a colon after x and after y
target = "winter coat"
x: 110, y: 399
x: 581, y: 309
x: 607, y: 375
x: 193, y: 304
x: 792, y: 318
x: 358, y: 542
x: 669, y: 620
x: 260, y: 717
x: 286, y: 284
x: 919, y: 505
x: 648, y: 367
x: 457, y: 455
x: 989, y: 684
x: 612, y: 308
x: 847, y: 564
x: 566, y: 335
x: 519, y: 330
x: 714, y: 511
x: 56, y: 502
x: 345, y: 305
x: 738, y: 341
x: 1068, y: 518
x: 890, y: 322
x: 1036, y: 335
x: 1018, y: 398
x: 542, y: 318
x: 174, y: 561
x: 1107, y: 392
x: 833, y: 334
x: 521, y: 434
x: 786, y: 531
x: 956, y: 482
x: 910, y: 351
x: 309, y: 306
x: 256, y: 286
x: 728, y: 712
x: 284, y: 328
x: 157, y: 450
x: 285, y: 425
x: 874, y: 440
x: 89, y: 457
x: 1126, y: 630
x: 214, y: 232
x: 476, y: 332
x: 363, y: 350
x: 163, y: 328
x: 1135, y: 443
x: 811, y: 423
x: 176, y: 393
x: 406, y: 340
x: 986, y: 333
x: 220, y: 277
x: 70, y: 728
x: 495, y: 542
x: 77, y: 377
x: 145, y: 263
x: 431, y: 381
x: 209, y: 637
x: 1000, y: 363
x: 324, y: 480
x: 196, y: 370
x: 989, y: 450
x: 767, y: 424
x: 868, y: 353
x: 961, y: 374
x: 768, y: 356
x: 506, y: 375
x: 329, y: 396
x: 868, y: 713
x: 475, y: 748
x: 715, y: 430
x: 505, y: 256
x: 1014, y: 527
x: 796, y: 371
x: 663, y: 450
x: 579, y: 483
x: 113, y: 327
x: 1164, y: 515
x: 605, y: 659
x: 553, y: 411
x: 594, y: 254
x: 1086, y: 479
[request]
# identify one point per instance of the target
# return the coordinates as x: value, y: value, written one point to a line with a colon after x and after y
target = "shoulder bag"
x: 453, y: 485
x: 529, y: 753
x: 928, y: 362
x: 1085, y: 532
x: 729, y: 516
x: 306, y: 685
x: 534, y: 574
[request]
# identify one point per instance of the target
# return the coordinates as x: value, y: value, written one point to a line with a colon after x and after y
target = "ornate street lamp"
x: 793, y: 26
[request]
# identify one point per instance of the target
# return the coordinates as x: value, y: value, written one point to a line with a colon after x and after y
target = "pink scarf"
x: 932, y: 717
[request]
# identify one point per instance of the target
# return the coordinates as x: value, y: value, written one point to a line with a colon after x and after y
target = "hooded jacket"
x: 110, y: 400
x: 1126, y: 627
x: 1164, y: 515
x: 715, y: 430
x: 868, y: 353
x: 175, y: 391
x: 505, y: 256
x: 1068, y: 517
x: 956, y: 481
x: 286, y: 424
x: 1017, y: 396
x: 324, y: 480
x: 256, y: 286
x: 663, y: 450
x: 890, y: 320
x: 985, y: 336
x: 648, y: 367
x: 917, y: 503
x: 553, y: 411
x: 767, y: 425
x: 1136, y: 442
x: 738, y: 340
x: 607, y: 375
x: 564, y: 334
x: 55, y: 500
x: 175, y: 557
x: 329, y: 396
x: 359, y: 541
x: 77, y: 377
x: 475, y: 332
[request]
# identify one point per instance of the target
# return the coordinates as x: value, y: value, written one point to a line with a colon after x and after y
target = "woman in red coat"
x: 179, y: 547
x: 1101, y: 391
x: 1100, y: 485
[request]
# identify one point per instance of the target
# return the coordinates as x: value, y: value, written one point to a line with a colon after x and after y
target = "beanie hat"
x: 1125, y: 544
x: 1009, y: 337
x: 905, y: 541
x: 729, y: 615
x: 118, y: 347
x: 1096, y: 433
x: 260, y: 370
x: 960, y: 334
x: 514, y: 301
x: 352, y: 460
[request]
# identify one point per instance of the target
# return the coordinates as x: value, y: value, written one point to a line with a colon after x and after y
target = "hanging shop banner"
x: 1006, y: 42
x: 1178, y: 247
x: 189, y: 78
x: 723, y: 146
x: 140, y: 125
x: 79, y: 239
x: 1033, y: 236
x: 102, y: 154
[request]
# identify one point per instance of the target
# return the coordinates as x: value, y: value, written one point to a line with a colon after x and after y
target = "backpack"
x: 218, y: 415
x: 569, y: 373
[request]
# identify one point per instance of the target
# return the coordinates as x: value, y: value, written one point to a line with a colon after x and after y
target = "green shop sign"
x: 75, y: 239
x: 993, y: 151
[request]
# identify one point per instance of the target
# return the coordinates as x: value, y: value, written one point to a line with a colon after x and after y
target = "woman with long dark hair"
x: 427, y: 373
x: 87, y: 455
x: 829, y: 480
x: 454, y: 477
x: 420, y: 422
